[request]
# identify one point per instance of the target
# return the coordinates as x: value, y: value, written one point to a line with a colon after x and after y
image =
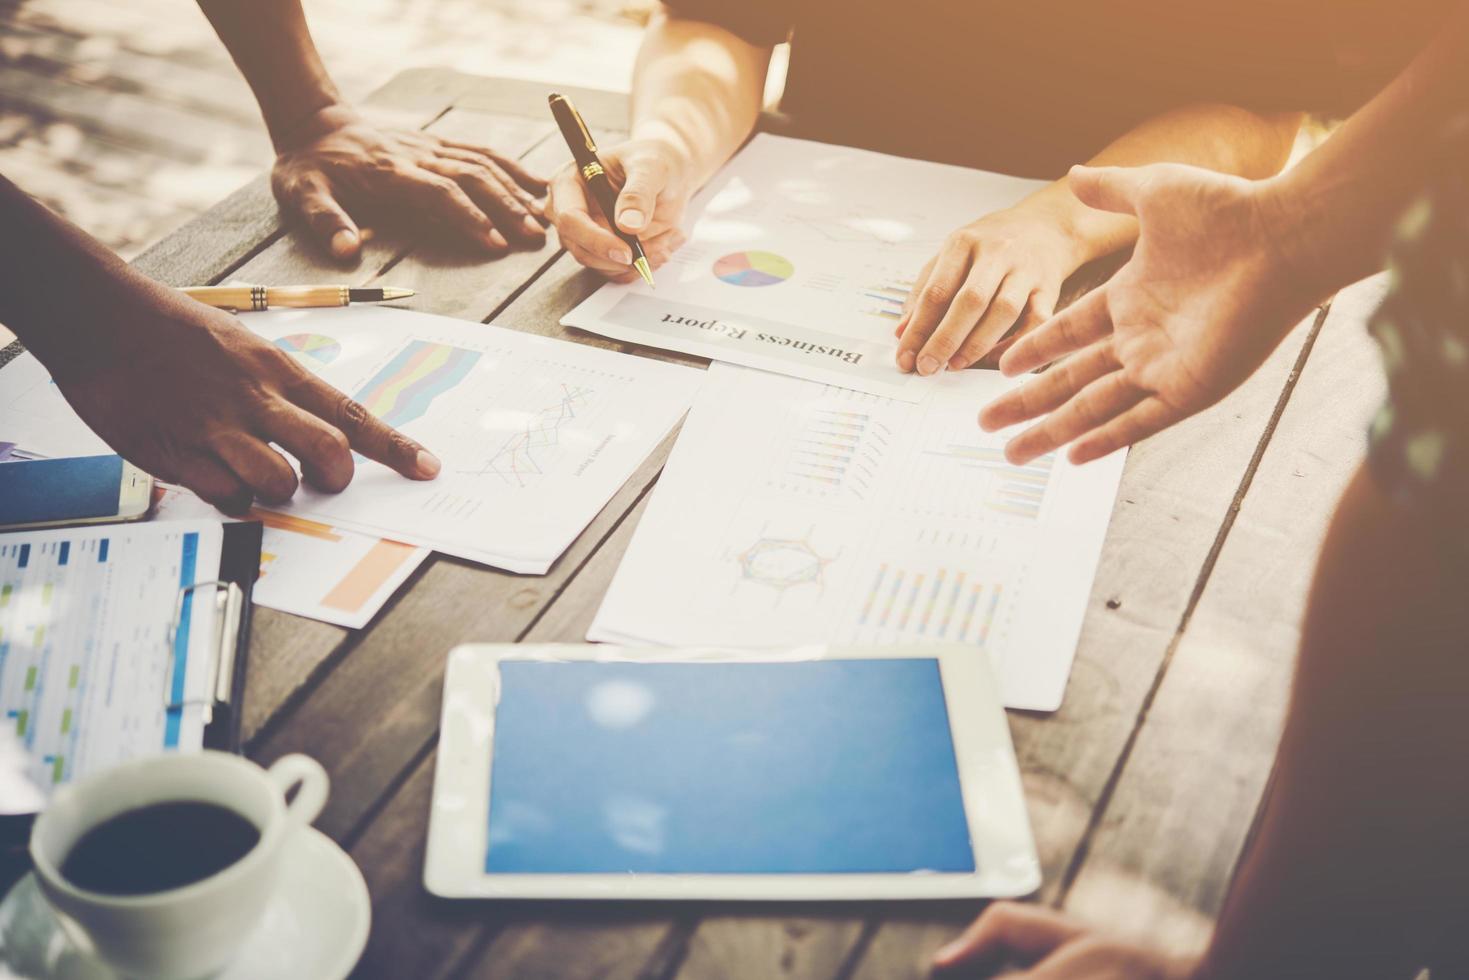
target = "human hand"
x: 334, y: 166
x: 1207, y: 295
x: 654, y: 189
x: 1004, y: 270
x: 193, y: 397
x: 1053, y: 947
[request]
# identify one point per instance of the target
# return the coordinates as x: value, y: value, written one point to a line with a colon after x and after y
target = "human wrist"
x: 1081, y: 233
x: 1297, y: 227
x: 321, y: 115
x: 669, y: 145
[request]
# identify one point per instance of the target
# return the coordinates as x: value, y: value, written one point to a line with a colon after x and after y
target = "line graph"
x: 524, y: 455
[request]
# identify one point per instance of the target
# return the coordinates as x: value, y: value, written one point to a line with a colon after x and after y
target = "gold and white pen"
x: 242, y: 298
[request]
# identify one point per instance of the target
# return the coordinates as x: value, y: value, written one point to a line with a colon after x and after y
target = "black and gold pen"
x: 584, y: 150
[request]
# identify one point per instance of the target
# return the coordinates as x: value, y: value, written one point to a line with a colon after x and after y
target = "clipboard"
x: 230, y: 592
x: 239, y: 564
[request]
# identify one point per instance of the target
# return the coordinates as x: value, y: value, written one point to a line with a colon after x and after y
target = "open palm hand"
x: 1204, y: 300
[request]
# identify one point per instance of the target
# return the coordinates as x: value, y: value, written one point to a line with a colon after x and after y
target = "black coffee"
x: 158, y: 847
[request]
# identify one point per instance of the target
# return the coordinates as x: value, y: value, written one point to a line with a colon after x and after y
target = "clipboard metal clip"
x: 229, y: 605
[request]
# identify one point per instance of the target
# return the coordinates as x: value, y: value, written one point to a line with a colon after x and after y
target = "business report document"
x: 800, y: 256
x: 795, y: 512
x: 535, y: 434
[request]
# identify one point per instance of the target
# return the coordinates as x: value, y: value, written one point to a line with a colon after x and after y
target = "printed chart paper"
x: 312, y: 569
x: 793, y: 512
x: 535, y: 434
x: 37, y: 417
x: 87, y: 657
x: 799, y: 258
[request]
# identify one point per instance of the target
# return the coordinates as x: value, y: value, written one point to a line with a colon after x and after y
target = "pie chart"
x: 319, y: 348
x: 754, y: 269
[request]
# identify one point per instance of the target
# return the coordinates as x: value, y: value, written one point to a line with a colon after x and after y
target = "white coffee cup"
x: 188, y: 932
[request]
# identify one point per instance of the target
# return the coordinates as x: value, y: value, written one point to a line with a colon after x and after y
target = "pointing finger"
x: 367, y: 434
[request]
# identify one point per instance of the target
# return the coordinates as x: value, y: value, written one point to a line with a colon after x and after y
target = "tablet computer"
x: 595, y: 772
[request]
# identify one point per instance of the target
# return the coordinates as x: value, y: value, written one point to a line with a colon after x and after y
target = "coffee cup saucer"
x: 315, y: 926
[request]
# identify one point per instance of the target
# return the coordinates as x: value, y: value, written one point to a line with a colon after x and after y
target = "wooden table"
x: 1142, y: 789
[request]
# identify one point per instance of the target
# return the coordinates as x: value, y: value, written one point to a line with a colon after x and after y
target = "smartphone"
x: 78, y: 490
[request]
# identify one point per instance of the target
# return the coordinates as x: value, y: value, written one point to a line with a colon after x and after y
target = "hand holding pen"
x: 654, y: 191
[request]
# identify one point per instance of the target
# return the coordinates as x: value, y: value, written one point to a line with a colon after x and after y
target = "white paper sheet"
x: 535, y: 434
x: 799, y: 257
x: 792, y: 512
x: 37, y: 418
x: 86, y: 654
x: 312, y: 569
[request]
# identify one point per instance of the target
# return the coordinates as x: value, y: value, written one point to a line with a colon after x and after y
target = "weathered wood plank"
x: 1175, y: 498
x: 1163, y: 853
x: 413, y: 933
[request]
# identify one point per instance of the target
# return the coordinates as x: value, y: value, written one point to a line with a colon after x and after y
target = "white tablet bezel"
x: 994, y: 801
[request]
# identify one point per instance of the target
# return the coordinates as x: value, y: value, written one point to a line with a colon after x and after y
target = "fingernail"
x: 532, y: 226
x: 428, y: 464
x: 927, y: 364
x: 620, y: 255
x: 631, y: 219
x: 344, y: 242
x: 497, y: 239
x: 956, y: 363
x: 905, y: 361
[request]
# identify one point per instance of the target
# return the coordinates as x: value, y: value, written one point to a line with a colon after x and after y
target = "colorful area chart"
x: 319, y: 348
x: 754, y: 269
x: 403, y: 390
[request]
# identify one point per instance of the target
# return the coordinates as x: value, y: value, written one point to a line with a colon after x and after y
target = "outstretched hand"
x: 1205, y: 298
x: 1052, y: 947
x: 336, y: 171
x: 193, y: 397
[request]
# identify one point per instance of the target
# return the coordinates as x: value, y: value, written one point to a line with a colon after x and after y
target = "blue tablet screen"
x: 816, y: 767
